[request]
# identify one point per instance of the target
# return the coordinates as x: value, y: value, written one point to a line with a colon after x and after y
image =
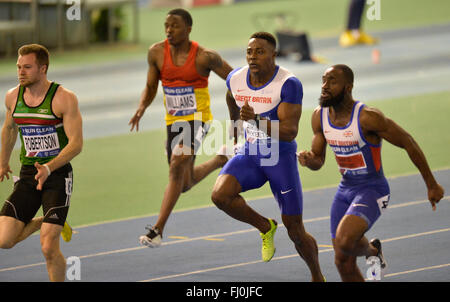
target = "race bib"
x: 253, y: 134
x: 352, y: 164
x: 180, y: 101
x: 40, y: 141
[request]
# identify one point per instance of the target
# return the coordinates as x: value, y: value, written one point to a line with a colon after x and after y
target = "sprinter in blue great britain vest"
x: 268, y: 98
x: 355, y: 132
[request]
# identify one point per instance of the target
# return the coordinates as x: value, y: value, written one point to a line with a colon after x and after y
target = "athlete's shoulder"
x: 317, y: 110
x: 316, y: 116
x: 208, y: 57
x: 293, y: 81
x: 13, y: 92
x: 65, y: 101
x: 155, y: 50
x: 371, y: 118
x: 64, y: 95
x: 291, y: 87
x: 238, y: 71
x: 370, y: 113
x: 11, y: 96
x: 285, y: 74
x: 203, y: 51
x: 232, y: 76
x: 158, y: 46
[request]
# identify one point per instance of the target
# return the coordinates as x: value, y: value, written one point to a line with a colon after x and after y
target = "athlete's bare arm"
x: 374, y: 122
x: 208, y: 60
x: 9, y: 134
x: 154, y: 58
x: 289, y: 116
x: 232, y: 107
x: 65, y: 106
x: 315, y: 158
x: 233, y: 110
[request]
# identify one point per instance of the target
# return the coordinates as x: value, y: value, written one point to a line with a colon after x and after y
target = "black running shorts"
x: 25, y: 200
x: 187, y: 133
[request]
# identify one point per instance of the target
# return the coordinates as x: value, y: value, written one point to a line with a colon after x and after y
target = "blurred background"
x: 99, y: 48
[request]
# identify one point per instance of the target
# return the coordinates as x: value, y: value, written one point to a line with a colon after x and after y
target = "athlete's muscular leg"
x: 183, y: 176
x: 31, y: 227
x: 10, y: 229
x: 226, y: 197
x: 194, y: 174
x: 13, y: 231
x: 305, y: 244
x: 56, y: 264
x: 349, y: 244
x: 180, y: 168
x: 347, y: 267
x: 204, y: 169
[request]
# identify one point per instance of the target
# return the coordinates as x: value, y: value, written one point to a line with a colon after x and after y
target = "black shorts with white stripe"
x: 25, y: 200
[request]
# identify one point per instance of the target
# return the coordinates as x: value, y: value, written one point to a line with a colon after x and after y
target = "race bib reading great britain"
x: 180, y: 101
x: 40, y: 141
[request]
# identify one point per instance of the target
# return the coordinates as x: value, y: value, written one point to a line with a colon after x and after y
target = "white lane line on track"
x: 283, y: 257
x: 417, y: 270
x: 201, y: 238
x: 249, y: 200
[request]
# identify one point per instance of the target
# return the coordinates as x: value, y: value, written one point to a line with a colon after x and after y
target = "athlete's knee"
x: 295, y: 229
x: 220, y: 198
x: 226, y: 189
x: 9, y: 232
x: 178, y: 163
x: 345, y: 244
x: 50, y: 250
x: 296, y: 238
x: 7, y: 243
x: 50, y: 245
x: 345, y: 264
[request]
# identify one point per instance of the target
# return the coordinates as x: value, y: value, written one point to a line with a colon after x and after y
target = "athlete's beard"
x: 30, y: 81
x: 332, y: 101
x: 27, y: 83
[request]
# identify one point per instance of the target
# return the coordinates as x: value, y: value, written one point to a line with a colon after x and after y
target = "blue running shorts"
x: 283, y: 178
x: 367, y: 201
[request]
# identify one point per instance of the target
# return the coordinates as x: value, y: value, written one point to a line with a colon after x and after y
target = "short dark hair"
x: 183, y: 14
x: 42, y: 54
x: 347, y: 71
x: 265, y: 36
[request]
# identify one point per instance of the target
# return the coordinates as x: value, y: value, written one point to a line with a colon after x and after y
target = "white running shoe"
x: 152, y: 239
x: 383, y: 263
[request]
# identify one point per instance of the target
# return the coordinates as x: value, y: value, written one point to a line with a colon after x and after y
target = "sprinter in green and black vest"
x: 47, y: 118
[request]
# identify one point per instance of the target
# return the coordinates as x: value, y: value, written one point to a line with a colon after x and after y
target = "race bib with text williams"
x: 180, y: 101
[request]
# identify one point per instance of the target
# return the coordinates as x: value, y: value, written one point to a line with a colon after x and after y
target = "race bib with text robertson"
x: 40, y: 141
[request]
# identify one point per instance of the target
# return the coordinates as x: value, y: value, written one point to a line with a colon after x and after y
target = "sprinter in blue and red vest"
x: 355, y: 132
